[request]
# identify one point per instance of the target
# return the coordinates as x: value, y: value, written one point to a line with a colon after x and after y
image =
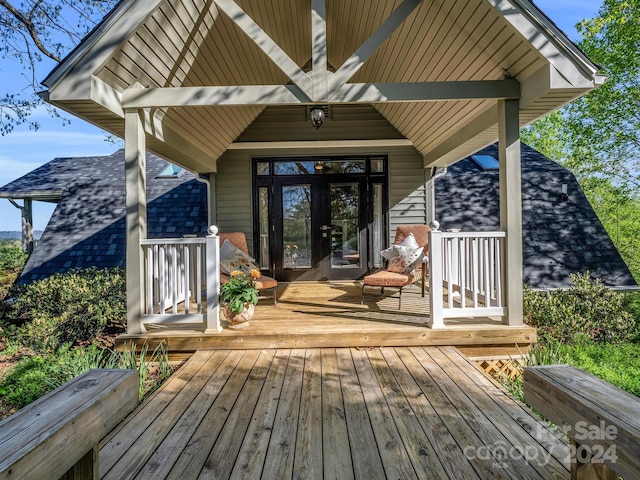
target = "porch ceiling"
x: 193, y: 43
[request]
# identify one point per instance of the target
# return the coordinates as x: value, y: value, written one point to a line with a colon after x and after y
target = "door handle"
x: 324, y: 228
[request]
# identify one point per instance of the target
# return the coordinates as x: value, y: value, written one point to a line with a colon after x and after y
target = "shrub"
x: 587, y: 307
x: 37, y: 375
x: 12, y: 257
x: 73, y: 307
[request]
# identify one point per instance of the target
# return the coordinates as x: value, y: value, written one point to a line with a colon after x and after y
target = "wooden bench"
x: 56, y: 437
x: 601, y: 420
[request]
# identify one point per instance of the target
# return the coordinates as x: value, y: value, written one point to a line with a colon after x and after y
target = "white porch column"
x: 136, y: 202
x: 511, y: 205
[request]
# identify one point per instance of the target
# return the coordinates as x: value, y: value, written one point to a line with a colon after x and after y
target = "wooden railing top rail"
x: 600, y: 419
x: 496, y: 234
x: 61, y: 430
x: 173, y: 241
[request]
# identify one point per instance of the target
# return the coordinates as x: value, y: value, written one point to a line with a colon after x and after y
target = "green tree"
x: 598, y: 136
x: 36, y: 33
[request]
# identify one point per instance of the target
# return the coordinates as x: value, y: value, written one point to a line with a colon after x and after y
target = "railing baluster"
x: 198, y: 285
x: 472, y: 265
x: 174, y: 279
x: 449, y: 269
x: 162, y: 280
x: 148, y: 257
x: 174, y: 273
x: 187, y: 273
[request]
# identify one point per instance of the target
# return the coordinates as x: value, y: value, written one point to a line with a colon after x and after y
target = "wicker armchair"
x: 385, y: 278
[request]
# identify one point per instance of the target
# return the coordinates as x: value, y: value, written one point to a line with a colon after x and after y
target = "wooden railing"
x: 58, y: 435
x: 181, y: 280
x: 466, y: 275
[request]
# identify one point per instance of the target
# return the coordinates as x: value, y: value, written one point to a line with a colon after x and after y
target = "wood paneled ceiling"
x: 191, y: 43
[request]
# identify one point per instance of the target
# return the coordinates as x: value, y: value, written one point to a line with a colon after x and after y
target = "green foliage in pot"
x: 240, y: 290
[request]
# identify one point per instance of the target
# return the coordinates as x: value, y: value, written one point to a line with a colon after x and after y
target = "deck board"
x: 361, y: 413
x: 329, y: 314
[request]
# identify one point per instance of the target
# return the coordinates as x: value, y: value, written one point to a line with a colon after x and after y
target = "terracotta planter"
x: 238, y: 321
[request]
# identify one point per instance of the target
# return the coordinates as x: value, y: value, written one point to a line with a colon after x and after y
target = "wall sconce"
x: 316, y: 115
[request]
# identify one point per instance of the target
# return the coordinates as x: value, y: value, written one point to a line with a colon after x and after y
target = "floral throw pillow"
x: 232, y: 258
x: 404, y: 259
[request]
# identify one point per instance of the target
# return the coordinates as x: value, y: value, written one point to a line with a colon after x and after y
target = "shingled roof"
x: 560, y: 235
x: 87, y: 227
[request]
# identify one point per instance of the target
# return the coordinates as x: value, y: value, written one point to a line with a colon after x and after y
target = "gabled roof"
x: 559, y: 236
x: 189, y: 43
x: 87, y: 227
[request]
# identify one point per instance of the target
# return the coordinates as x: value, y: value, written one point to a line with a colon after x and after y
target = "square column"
x: 136, y: 223
x: 511, y: 205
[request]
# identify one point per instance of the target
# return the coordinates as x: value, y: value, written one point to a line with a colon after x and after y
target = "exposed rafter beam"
x: 319, y: 49
x: 321, y: 144
x: 207, y: 96
x: 369, y: 47
x: 266, y: 44
x: 290, y: 95
x: 426, y: 91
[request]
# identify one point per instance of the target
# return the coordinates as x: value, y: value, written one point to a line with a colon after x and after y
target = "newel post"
x: 435, y: 279
x: 212, y: 314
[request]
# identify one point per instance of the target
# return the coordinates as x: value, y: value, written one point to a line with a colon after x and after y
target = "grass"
x: 618, y: 364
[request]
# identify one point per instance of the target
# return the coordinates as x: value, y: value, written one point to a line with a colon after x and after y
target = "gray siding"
x: 233, y: 194
x: 345, y: 122
x: 407, y: 201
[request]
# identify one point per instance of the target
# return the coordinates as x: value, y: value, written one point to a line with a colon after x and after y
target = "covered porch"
x: 227, y: 90
x: 329, y: 314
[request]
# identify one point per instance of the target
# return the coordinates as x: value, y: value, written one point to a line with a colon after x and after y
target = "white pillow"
x: 232, y: 258
x: 404, y: 259
x: 409, y: 242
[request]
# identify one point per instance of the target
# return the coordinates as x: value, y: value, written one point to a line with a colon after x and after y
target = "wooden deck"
x: 319, y: 315
x: 373, y: 413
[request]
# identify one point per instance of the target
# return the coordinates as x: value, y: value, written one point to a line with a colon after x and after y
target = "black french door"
x: 319, y: 218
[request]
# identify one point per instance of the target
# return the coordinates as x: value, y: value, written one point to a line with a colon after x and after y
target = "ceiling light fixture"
x: 316, y: 114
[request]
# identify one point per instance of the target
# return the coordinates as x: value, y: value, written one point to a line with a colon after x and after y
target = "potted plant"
x: 238, y: 297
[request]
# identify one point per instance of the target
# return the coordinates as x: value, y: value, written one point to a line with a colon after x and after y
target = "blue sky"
x: 24, y: 150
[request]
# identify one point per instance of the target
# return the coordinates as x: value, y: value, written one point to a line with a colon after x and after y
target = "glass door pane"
x: 344, y: 200
x: 296, y: 226
x: 378, y: 237
x: 263, y: 223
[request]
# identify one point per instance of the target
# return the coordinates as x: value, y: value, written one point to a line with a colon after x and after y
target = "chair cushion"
x: 420, y: 232
x: 232, y: 258
x: 388, y: 279
x: 237, y: 239
x: 262, y: 282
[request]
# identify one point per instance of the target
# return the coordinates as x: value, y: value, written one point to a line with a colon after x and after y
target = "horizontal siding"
x: 345, y: 122
x: 407, y: 204
x: 233, y: 195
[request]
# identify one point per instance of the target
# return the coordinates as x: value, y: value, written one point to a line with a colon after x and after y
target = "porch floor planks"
x: 329, y: 315
x: 328, y: 413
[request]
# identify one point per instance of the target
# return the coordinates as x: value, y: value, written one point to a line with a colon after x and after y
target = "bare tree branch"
x: 30, y: 27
